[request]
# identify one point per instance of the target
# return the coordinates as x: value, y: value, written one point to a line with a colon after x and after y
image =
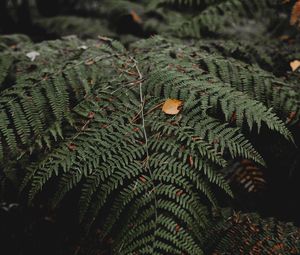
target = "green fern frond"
x: 248, y: 233
x: 220, y: 17
x: 258, y: 84
x: 230, y: 100
x: 27, y: 103
x: 94, y: 122
x: 86, y: 117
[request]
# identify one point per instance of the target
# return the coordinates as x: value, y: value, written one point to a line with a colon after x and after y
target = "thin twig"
x: 142, y: 100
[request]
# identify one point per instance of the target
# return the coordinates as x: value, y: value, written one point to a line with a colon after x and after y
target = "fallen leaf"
x: 136, y: 18
x: 89, y: 62
x: 143, y: 179
x: 103, y: 38
x: 171, y: 106
x: 295, y: 15
x: 295, y: 65
x: 291, y: 117
x: 191, y: 161
x: 91, y: 115
x: 72, y: 146
x: 32, y: 55
x: 179, y: 192
x: 83, y: 47
x: 233, y: 117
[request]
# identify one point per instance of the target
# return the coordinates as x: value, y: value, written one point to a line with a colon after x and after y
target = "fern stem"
x: 142, y: 101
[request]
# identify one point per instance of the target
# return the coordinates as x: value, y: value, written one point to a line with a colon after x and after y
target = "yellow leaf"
x: 295, y: 16
x: 171, y: 106
x: 136, y: 18
x: 295, y: 65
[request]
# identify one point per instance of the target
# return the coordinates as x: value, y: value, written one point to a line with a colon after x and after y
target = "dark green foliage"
x: 237, y: 233
x: 86, y: 115
x: 66, y: 25
x: 245, y: 175
x: 67, y: 116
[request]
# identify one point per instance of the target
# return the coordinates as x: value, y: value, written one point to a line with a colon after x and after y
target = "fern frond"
x: 66, y: 25
x: 245, y: 174
x: 220, y: 17
x: 231, y: 101
x: 248, y: 233
x: 258, y: 84
x: 94, y: 122
x: 27, y: 103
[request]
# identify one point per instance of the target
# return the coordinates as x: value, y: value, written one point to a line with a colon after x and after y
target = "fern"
x: 263, y: 52
x: 221, y: 94
x: 86, y: 115
x: 70, y: 25
x: 91, y: 118
x: 27, y: 103
x: 247, y: 175
x: 249, y: 234
x: 259, y: 84
x: 225, y: 16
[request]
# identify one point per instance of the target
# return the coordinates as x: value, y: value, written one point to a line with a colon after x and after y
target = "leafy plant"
x: 234, y: 232
x: 66, y: 117
x: 145, y: 134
